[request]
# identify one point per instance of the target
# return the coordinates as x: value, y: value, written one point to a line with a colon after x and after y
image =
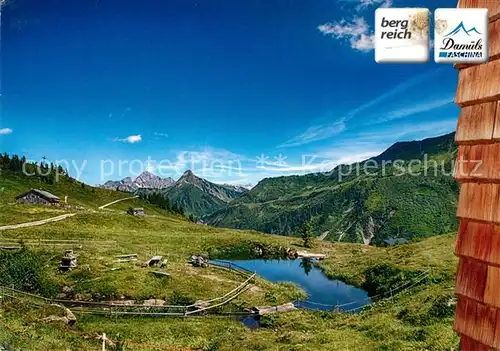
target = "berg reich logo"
x: 456, y: 45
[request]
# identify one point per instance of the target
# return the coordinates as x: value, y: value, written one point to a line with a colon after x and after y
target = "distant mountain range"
x: 191, y: 193
x: 359, y: 207
x: 144, y: 180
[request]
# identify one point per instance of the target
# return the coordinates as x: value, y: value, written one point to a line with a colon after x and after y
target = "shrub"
x: 441, y: 308
x: 180, y: 299
x: 383, y: 278
x: 105, y: 290
x: 269, y: 321
x: 24, y: 270
x: 247, y: 250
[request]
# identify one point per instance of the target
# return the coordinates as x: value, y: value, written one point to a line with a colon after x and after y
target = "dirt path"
x: 54, y: 219
x: 116, y: 201
x: 323, y: 236
x: 35, y: 223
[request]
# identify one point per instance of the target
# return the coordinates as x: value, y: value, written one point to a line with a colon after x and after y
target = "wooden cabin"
x: 39, y: 197
x: 477, y: 317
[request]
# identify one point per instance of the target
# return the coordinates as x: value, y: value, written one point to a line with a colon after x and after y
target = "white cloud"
x: 411, y: 130
x: 364, y: 4
x: 132, y: 139
x: 207, y: 154
x: 418, y: 108
x: 4, y: 131
x: 352, y: 149
x: 400, y: 88
x: 325, y: 131
x: 223, y: 166
x: 163, y: 135
x: 316, y: 133
x: 364, y: 43
x: 356, y: 31
x: 207, y: 162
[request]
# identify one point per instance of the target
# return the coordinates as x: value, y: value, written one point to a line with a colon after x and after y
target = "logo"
x: 467, y: 41
x: 467, y: 49
x: 401, y: 35
x: 461, y: 27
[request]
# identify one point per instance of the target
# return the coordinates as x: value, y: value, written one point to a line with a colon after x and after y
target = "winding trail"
x: 116, y: 201
x: 57, y: 218
x: 40, y: 222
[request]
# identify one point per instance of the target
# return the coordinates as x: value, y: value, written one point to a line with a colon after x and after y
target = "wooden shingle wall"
x: 477, y: 167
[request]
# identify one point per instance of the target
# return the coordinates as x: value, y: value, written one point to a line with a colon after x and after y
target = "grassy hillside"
x: 13, y: 184
x: 404, y: 198
x: 419, y: 319
x: 80, y: 196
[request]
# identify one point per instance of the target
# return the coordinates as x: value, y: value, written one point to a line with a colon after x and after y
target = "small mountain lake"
x: 323, y: 294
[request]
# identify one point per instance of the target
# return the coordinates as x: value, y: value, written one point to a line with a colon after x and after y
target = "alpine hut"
x: 37, y: 196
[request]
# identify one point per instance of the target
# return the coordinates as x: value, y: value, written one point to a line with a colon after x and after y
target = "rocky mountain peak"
x: 144, y: 180
x: 127, y: 180
x: 149, y: 180
x: 188, y: 177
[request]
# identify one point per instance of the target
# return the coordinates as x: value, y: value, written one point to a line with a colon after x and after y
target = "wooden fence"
x: 112, y: 308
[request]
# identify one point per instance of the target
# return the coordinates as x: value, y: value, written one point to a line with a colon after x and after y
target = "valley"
x: 417, y: 318
x: 405, y: 192
x: 247, y: 175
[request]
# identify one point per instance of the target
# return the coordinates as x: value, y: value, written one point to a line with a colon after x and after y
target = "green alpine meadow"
x: 209, y: 175
x: 361, y: 207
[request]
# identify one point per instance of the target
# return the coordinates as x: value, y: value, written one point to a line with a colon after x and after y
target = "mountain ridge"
x: 198, y: 196
x: 358, y: 207
x: 144, y: 180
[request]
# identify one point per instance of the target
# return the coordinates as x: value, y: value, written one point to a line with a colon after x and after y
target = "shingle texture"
x: 477, y: 123
x: 493, y: 6
x: 479, y: 83
x: 477, y: 317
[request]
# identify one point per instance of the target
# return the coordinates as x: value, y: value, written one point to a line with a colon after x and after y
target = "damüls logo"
x: 462, y: 28
x: 462, y: 42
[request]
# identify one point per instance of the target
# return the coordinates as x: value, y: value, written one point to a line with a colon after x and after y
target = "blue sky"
x: 235, y: 90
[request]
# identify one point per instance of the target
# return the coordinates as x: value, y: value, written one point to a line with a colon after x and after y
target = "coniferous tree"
x: 307, y: 234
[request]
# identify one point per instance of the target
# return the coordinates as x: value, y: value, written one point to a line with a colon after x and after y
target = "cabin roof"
x: 41, y: 193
